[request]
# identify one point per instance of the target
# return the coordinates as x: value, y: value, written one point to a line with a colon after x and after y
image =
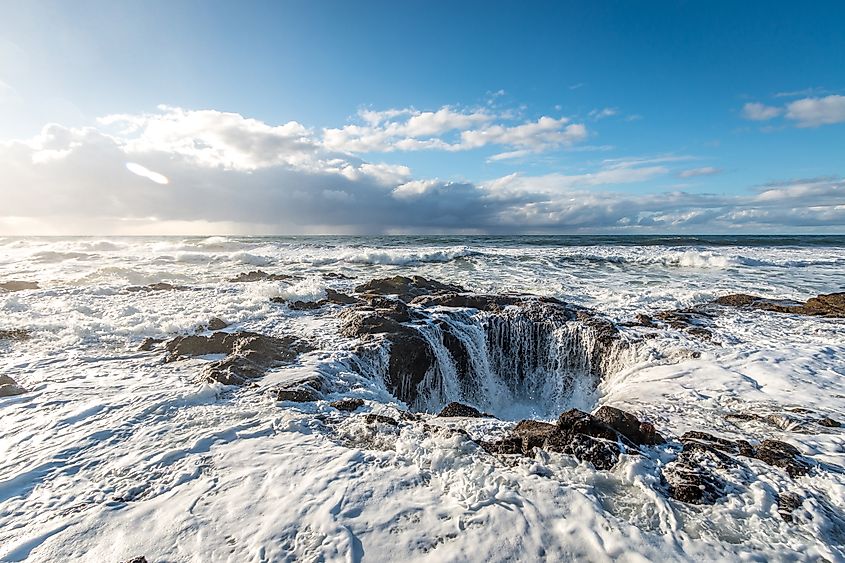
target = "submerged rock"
x: 380, y: 419
x: 216, y: 323
x: 159, y: 286
x: 248, y: 354
x: 788, y: 503
x: 406, y: 288
x: 783, y: 455
x: 18, y: 285
x: 260, y: 275
x: 17, y: 334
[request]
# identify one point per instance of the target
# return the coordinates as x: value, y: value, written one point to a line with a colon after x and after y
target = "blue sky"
x: 539, y: 104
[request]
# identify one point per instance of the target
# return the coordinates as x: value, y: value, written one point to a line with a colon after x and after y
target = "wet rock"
x: 690, y: 479
x: 306, y: 305
x: 696, y: 321
x: 783, y: 455
x: 260, y: 275
x: 296, y: 395
x: 455, y: 409
x: 828, y: 422
x: 347, y: 405
x: 336, y: 276
x: 457, y: 350
x: 481, y: 302
x: 380, y: 419
x: 603, y: 454
x: 139, y: 559
x: 216, y: 323
x: 248, y: 355
x: 17, y: 334
x: 149, y: 343
x: 532, y: 434
x: 702, y: 441
x: 406, y: 288
x: 787, y: 504
x: 640, y: 433
x: 825, y: 305
x: 18, y: 285
x: 339, y: 298
x: 160, y: 286
x: 9, y: 387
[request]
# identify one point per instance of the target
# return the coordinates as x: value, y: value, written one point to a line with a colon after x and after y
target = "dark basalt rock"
x: 532, y: 434
x: 304, y: 305
x: 380, y: 419
x: 828, y: 422
x: 17, y: 334
x: 783, y: 455
x: 702, y: 441
x: 691, y: 481
x: 347, y: 405
x: 9, y: 387
x: 260, y: 275
x: 139, y: 559
x: 336, y: 276
x: 339, y: 298
x: 640, y: 433
x: 455, y: 409
x: 296, y: 395
x: 18, y: 285
x: 787, y: 504
x: 489, y: 303
x: 217, y: 323
x: 149, y: 343
x: 825, y: 305
x: 248, y: 354
x: 406, y: 288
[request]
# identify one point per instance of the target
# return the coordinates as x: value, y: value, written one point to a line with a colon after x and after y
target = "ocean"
x: 114, y: 451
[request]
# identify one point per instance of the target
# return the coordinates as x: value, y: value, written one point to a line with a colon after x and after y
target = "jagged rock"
x: 489, y: 303
x: 702, y: 441
x: 17, y: 334
x: 149, y: 343
x: 783, y: 455
x: 336, y: 276
x: 640, y: 433
x: 296, y: 395
x: 18, y: 285
x: 691, y: 481
x: 532, y: 434
x: 787, y: 504
x: 455, y: 409
x: 306, y: 305
x: 829, y: 422
x: 216, y: 323
x: 339, y: 298
x: 260, y: 275
x: 824, y: 305
x: 159, y: 286
x: 406, y: 288
x: 380, y: 419
x: 139, y: 559
x: 248, y: 354
x: 347, y: 405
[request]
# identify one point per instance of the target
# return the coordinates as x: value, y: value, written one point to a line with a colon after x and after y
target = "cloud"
x: 179, y: 170
x: 703, y: 171
x: 760, y: 112
x: 812, y: 112
x: 602, y: 113
x: 448, y: 129
x: 806, y: 112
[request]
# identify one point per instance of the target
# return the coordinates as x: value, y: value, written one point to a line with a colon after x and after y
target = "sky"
x: 283, y: 117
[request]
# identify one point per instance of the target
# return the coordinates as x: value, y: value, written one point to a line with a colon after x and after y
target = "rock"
x: 783, y: 455
x: 9, y: 387
x: 455, y: 409
x: 18, y: 285
x: 18, y: 334
x: 640, y: 433
x: 139, y: 559
x: 380, y: 419
x: 336, y: 276
x: 339, y: 298
x: 248, y: 354
x: 160, y: 286
x: 304, y: 305
x: 829, y: 422
x: 149, y: 343
x: 787, y: 504
x: 260, y: 275
x: 347, y: 405
x: 702, y: 441
x: 406, y: 288
x: 216, y: 323
x: 825, y: 305
x: 296, y: 395
x: 691, y: 481
x: 489, y: 303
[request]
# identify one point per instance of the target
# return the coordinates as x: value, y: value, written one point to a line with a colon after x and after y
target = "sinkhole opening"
x: 512, y: 366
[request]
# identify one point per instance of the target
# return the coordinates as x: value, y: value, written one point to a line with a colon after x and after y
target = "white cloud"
x: 812, y: 112
x: 703, y: 171
x: 225, y: 172
x: 756, y: 111
x: 604, y: 112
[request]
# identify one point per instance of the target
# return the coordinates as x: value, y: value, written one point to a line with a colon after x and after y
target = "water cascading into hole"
x: 512, y: 366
